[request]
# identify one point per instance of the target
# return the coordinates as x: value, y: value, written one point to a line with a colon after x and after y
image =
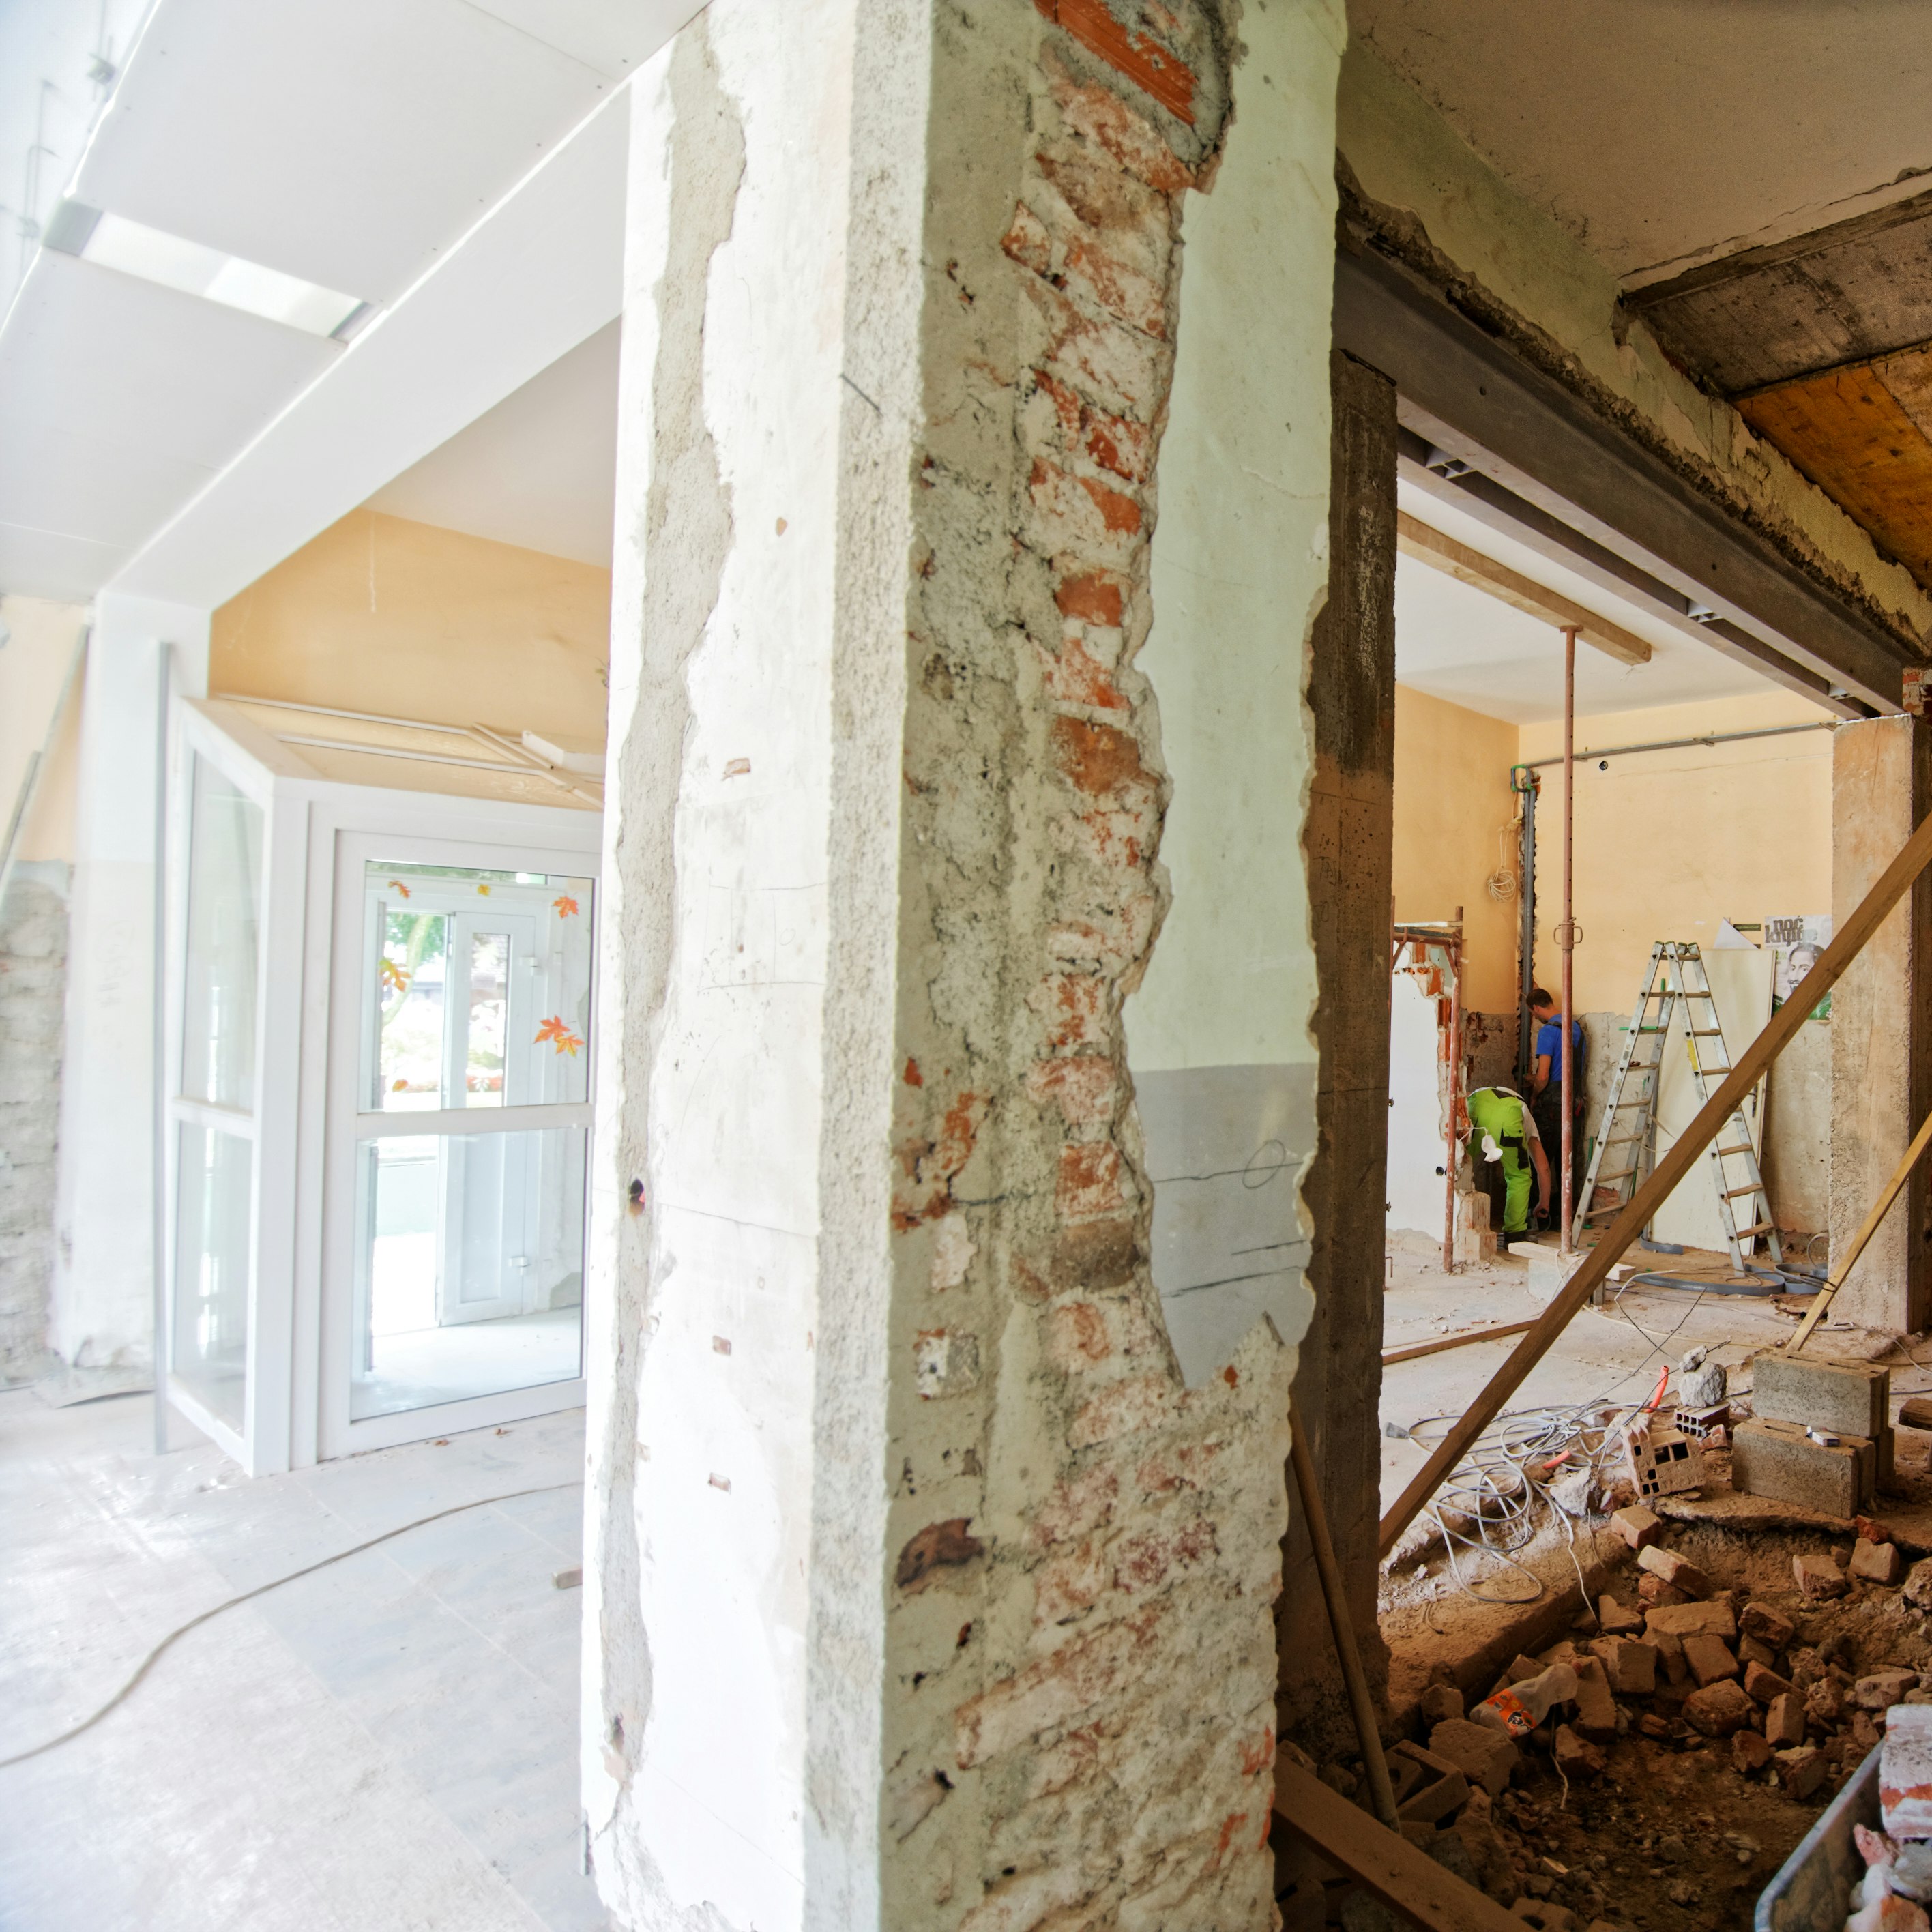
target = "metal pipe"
x: 1684, y: 744
x: 1449, y: 1133
x: 1567, y: 938
x: 1526, y: 1045
x: 158, y: 1095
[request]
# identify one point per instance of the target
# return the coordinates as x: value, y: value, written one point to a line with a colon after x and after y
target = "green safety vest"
x: 1503, y: 1115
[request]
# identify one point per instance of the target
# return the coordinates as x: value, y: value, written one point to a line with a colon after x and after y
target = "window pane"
x: 213, y: 1225
x: 469, y: 1267
x: 224, y: 874
x: 478, y: 993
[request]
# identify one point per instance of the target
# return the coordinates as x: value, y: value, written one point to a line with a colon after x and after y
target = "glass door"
x: 213, y: 1111
x: 469, y: 1136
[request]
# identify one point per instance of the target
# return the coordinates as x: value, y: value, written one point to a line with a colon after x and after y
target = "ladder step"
x: 1621, y: 1174
x: 1758, y: 1228
x: 1731, y: 1194
x: 1705, y: 1033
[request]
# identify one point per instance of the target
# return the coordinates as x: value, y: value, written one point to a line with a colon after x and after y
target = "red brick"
x: 1077, y: 1336
x: 1078, y: 1506
x: 1074, y: 676
x: 1105, y: 359
x: 1099, y: 759
x: 1068, y: 1583
x: 1157, y: 71
x: 1089, y: 1183
x: 1085, y: 1088
x: 1144, y: 1563
x: 1073, y: 1679
x: 1099, y: 115
x: 1075, y: 1006
x: 1081, y: 516
x: 1128, y: 1408
x: 1093, y: 597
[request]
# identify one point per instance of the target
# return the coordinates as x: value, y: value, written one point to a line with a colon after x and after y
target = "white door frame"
x: 564, y: 841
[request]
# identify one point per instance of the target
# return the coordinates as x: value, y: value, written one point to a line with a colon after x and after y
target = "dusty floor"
x: 390, y: 1742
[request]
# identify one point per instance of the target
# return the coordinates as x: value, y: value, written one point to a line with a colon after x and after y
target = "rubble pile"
x: 1653, y: 1769
x: 1898, y: 1859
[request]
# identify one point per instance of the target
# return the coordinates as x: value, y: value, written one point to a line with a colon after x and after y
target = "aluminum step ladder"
x: 1677, y: 973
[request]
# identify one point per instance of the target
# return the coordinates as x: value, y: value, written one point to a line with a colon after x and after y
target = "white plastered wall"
x: 1223, y: 1061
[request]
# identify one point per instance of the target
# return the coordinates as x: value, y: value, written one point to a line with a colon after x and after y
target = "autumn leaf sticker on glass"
x: 565, y: 907
x: 392, y: 975
x: 554, y: 1029
x: 397, y: 885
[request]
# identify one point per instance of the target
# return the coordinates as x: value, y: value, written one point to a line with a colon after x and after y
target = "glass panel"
x: 470, y: 1266
x: 224, y: 884
x: 478, y: 993
x: 213, y: 1226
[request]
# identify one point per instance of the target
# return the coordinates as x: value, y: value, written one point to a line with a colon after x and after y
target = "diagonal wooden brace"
x: 1845, y: 947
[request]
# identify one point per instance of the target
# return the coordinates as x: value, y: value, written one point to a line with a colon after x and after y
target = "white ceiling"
x: 1455, y: 642
x: 353, y: 144
x: 539, y: 470
x: 1663, y: 132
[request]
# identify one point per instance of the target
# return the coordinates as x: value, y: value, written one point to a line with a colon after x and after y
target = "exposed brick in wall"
x: 1080, y: 1722
x: 33, y: 984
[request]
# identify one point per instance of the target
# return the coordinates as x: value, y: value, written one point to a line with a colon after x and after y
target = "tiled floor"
x: 387, y: 1746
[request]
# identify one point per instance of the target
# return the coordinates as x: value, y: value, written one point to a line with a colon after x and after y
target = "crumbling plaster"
x: 1409, y: 177
x: 921, y: 1588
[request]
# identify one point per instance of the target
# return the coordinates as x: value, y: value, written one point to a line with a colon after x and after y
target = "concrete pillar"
x: 922, y: 1588
x: 1881, y: 1022
x: 103, y: 1293
x: 1350, y: 844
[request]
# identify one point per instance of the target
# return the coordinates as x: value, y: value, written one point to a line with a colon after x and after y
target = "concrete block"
x: 1629, y: 1666
x: 1663, y: 1461
x: 1596, y: 1716
x: 1428, y: 1787
x: 1876, y: 1562
x: 1638, y: 1526
x: 1915, y: 1411
x: 1575, y: 1758
x: 1709, y: 1657
x: 1751, y: 1651
x: 1784, y: 1720
x: 1763, y: 1686
x: 1714, y: 1618
x: 1616, y: 1619
x: 1779, y: 1460
x: 1720, y: 1708
x: 1440, y: 1702
x: 1485, y: 1756
x: 1819, y: 1576
x: 1846, y: 1398
x: 1802, y: 1769
x: 1653, y: 1590
x: 1772, y: 1627
x: 1905, y: 1772
x: 1678, y: 1571
x: 1883, y: 1688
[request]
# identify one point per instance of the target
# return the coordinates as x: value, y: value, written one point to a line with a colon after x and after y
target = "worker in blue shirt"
x: 1546, y: 1086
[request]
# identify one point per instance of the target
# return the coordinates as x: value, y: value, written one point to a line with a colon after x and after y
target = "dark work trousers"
x: 1548, y: 1115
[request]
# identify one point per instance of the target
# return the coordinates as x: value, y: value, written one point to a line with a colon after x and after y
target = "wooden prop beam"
x: 1684, y: 1154
x: 1462, y: 1341
x: 1880, y: 1208
x: 1402, y: 1876
x: 1429, y: 546
x: 1368, y: 1732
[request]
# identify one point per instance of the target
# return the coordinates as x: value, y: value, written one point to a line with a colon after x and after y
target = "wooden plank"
x: 1471, y: 567
x: 1688, y: 1148
x: 1850, y: 435
x: 1405, y: 1878
x: 1461, y: 1341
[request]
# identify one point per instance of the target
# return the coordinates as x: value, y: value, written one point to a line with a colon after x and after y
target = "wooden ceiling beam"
x: 1471, y: 567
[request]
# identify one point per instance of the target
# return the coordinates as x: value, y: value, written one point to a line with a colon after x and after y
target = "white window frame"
x: 308, y: 821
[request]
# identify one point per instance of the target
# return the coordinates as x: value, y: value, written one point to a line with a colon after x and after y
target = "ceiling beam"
x: 1471, y: 567
x: 1472, y: 397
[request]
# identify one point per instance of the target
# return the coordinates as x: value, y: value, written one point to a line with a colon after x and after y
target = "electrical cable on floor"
x: 154, y: 1656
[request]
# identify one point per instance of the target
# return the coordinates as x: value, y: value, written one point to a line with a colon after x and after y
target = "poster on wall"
x: 1797, y: 940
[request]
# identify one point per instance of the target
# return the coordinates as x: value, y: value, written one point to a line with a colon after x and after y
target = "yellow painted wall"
x: 1669, y: 843
x: 1452, y: 799
x: 383, y: 615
